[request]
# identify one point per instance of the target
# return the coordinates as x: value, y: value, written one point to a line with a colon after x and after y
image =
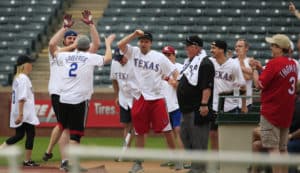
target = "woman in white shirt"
x: 23, y: 116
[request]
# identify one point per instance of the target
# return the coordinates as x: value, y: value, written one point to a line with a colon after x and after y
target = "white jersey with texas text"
x: 77, y: 75
x: 127, y: 83
x: 227, y: 76
x: 170, y: 92
x: 22, y: 90
x: 149, y: 70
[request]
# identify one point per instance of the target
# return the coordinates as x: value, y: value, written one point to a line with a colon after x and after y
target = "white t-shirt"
x: 76, y: 74
x: 227, y: 76
x: 22, y: 90
x: 249, y: 84
x: 170, y: 92
x: 126, y: 81
x: 54, y: 78
x: 149, y: 70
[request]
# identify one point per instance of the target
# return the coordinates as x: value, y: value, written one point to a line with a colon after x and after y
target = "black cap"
x: 117, y: 55
x: 193, y: 40
x: 147, y: 35
x: 22, y: 59
x: 220, y: 44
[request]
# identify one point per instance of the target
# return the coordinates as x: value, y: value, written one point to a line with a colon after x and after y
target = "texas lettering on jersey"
x: 120, y: 75
x: 146, y: 65
x: 223, y: 75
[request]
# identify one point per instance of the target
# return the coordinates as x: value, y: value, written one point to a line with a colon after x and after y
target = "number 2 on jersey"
x: 73, y: 69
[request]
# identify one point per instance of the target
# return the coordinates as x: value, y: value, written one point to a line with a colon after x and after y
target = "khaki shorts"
x: 272, y: 136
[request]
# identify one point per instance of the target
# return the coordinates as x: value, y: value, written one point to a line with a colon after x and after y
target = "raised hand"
x: 110, y: 39
x: 68, y: 22
x: 87, y: 17
x: 139, y: 32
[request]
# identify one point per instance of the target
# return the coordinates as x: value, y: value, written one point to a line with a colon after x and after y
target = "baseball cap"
x: 281, y: 40
x: 220, y: 44
x: 22, y: 59
x: 70, y: 33
x: 117, y: 55
x: 168, y: 49
x: 83, y: 42
x: 193, y: 40
x: 147, y: 35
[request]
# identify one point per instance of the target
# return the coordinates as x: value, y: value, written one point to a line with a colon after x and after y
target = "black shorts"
x: 125, y: 115
x: 74, y: 117
x: 55, y: 105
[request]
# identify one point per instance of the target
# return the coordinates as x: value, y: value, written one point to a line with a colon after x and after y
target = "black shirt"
x: 189, y: 96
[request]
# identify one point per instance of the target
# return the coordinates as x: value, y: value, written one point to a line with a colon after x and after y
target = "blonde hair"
x: 20, y: 69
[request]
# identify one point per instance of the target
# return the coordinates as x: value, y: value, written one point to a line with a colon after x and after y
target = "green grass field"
x: 41, y: 143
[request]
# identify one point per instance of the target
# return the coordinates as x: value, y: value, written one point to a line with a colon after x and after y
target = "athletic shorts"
x: 73, y: 117
x: 175, y: 118
x: 55, y: 105
x: 148, y: 114
x: 272, y: 136
x: 125, y: 115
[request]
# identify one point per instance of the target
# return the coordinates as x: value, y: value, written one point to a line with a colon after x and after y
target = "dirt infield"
x: 99, y: 167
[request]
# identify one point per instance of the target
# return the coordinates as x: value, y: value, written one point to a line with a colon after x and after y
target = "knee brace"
x: 75, y: 137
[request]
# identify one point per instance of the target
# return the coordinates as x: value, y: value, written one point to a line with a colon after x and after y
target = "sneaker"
x: 30, y: 163
x: 168, y: 163
x: 187, y: 166
x: 64, y: 166
x: 178, y: 165
x: 137, y: 168
x: 47, y: 156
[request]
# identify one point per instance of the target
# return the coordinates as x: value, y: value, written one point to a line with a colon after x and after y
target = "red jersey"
x: 279, y: 79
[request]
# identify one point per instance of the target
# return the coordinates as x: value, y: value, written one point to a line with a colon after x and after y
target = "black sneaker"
x: 64, y: 166
x: 30, y: 163
x: 47, y: 156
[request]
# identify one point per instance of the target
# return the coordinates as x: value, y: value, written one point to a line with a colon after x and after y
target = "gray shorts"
x: 272, y: 136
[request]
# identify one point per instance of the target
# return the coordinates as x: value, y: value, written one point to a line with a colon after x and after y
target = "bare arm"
x: 206, y: 93
x: 295, y: 135
x: 95, y: 39
x: 122, y: 43
x: 293, y: 10
x: 244, y: 108
x: 116, y: 90
x: 20, y: 116
x: 87, y: 18
x: 68, y: 22
x: 173, y: 81
x: 55, y: 40
x: 108, y: 42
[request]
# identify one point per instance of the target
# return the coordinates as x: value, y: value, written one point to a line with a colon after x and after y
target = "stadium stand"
x: 24, y: 26
x: 171, y: 21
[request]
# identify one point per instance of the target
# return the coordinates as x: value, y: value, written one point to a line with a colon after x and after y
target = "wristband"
x: 203, y: 104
